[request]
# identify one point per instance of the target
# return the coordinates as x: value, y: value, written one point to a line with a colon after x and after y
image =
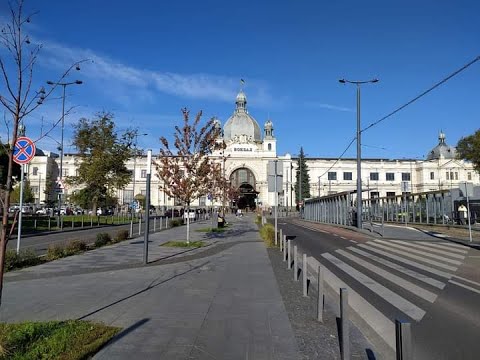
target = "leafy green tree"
x: 185, y: 168
x: 302, y: 177
x: 49, y: 190
x: 468, y: 148
x: 83, y: 198
x: 102, y: 155
x: 28, y: 196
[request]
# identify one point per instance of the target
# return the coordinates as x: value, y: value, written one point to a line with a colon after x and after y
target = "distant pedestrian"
x: 462, y: 213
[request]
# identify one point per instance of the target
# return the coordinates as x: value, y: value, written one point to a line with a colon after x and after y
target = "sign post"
x: 23, y: 153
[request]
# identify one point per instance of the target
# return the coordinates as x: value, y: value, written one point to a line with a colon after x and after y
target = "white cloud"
x: 330, y: 107
x: 123, y: 79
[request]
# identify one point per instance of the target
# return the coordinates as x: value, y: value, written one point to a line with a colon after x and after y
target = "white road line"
x: 454, y: 245
x: 396, y: 300
x: 406, y: 261
x: 424, y: 247
x: 352, y: 241
x: 449, y: 248
x: 467, y: 280
x: 344, y: 238
x: 407, y: 285
x: 375, y: 319
x: 424, y: 253
x: 400, y: 268
x: 464, y: 286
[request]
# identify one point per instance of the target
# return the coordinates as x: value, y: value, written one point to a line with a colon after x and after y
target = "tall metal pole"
x: 61, y: 153
x: 319, y: 184
x: 359, y: 163
x: 224, y: 184
x: 19, y: 234
x: 147, y: 203
x: 276, y: 203
x: 468, y: 213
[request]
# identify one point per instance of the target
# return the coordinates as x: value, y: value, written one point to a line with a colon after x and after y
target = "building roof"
x: 241, y: 123
x: 442, y: 150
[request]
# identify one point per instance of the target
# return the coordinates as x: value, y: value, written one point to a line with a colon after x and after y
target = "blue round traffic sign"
x: 24, y: 150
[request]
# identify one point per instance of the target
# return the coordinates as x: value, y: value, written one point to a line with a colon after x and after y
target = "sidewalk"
x: 217, y: 302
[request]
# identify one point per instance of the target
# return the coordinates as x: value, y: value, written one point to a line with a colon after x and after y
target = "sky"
x: 148, y: 59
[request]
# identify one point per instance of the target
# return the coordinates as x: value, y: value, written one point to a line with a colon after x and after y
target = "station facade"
x: 249, y: 148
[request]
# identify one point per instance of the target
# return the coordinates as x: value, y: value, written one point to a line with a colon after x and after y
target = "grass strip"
x: 214, y: 230
x: 67, y: 340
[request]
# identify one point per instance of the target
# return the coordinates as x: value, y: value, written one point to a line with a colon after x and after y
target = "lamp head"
x: 342, y: 81
x: 50, y: 82
x: 78, y: 82
x: 374, y: 80
x: 77, y: 67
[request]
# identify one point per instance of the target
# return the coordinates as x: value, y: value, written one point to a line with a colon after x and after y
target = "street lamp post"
x: 64, y: 85
x: 135, y: 162
x: 359, y: 166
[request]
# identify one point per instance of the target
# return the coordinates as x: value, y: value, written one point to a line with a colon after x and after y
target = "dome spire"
x: 241, y: 102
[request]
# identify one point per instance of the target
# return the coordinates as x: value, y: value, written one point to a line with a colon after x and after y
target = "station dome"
x: 442, y: 150
x: 241, y: 124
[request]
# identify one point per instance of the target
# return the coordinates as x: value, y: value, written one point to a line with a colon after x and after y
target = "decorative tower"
x: 269, y: 141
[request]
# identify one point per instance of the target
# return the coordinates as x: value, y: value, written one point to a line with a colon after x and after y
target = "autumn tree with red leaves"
x: 185, y: 167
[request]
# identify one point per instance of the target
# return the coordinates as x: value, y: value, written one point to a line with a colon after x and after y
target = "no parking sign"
x: 24, y: 150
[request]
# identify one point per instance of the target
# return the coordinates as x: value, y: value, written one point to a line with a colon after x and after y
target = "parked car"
x: 42, y: 211
x: 191, y: 214
x: 172, y: 213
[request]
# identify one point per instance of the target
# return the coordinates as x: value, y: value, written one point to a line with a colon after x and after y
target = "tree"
x: 102, y: 155
x: 28, y: 196
x: 49, y: 190
x: 185, y: 168
x: 17, y: 62
x: 302, y: 177
x: 16, y: 171
x: 468, y: 148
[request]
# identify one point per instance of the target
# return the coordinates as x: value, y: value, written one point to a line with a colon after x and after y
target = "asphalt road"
x: 40, y: 242
x: 431, y: 283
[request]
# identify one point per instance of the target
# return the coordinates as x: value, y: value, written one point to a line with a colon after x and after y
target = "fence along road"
x: 432, y: 283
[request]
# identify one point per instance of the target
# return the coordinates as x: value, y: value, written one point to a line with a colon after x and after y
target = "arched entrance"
x: 244, y: 180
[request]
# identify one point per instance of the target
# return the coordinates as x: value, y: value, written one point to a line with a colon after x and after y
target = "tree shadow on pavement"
x: 150, y: 286
x: 125, y: 332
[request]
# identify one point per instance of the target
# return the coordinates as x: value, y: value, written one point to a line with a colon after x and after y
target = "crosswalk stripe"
x: 450, y: 244
x: 396, y: 300
x: 424, y: 247
x: 424, y: 253
x: 464, y: 286
x: 444, y: 246
x: 407, y: 285
x: 409, y: 262
x: 399, y: 268
x: 467, y: 280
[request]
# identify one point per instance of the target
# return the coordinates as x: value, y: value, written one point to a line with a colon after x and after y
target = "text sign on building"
x: 275, y: 167
x: 243, y: 148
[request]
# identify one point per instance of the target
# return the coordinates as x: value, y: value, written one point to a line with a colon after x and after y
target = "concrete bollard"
x: 280, y: 236
x: 345, y: 333
x: 73, y: 224
x: 281, y: 244
x: 284, y: 247
x: 289, y: 254
x: 403, y: 339
x: 49, y: 224
x: 161, y: 223
x: 35, y: 224
x: 131, y: 229
x: 91, y: 221
x: 139, y: 226
x: 320, y: 294
x: 304, y: 275
x: 82, y: 221
x: 295, y: 263
x: 154, y: 224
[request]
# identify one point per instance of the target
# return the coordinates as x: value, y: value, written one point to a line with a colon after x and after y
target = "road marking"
x: 407, y: 285
x: 464, y: 286
x: 375, y: 319
x: 344, y: 238
x: 444, y: 246
x: 406, y: 261
x: 352, y: 241
x: 399, y: 268
x: 423, y: 247
x: 396, y: 300
x: 406, y: 248
x: 453, y: 245
x: 467, y: 280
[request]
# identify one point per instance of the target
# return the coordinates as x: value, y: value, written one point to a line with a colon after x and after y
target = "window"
x: 374, y: 195
x: 448, y: 175
x: 405, y: 176
x: 35, y: 171
x: 65, y: 172
x: 432, y: 175
x: 34, y: 189
x: 390, y: 176
x: 202, y: 200
x: 127, y: 196
x: 347, y: 176
x: 390, y: 193
x: 451, y: 175
x: 374, y: 176
x: 469, y: 176
x: 269, y: 147
x: 144, y: 174
x: 456, y: 175
x: 332, y: 175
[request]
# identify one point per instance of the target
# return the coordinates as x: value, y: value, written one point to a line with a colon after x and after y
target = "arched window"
x: 242, y: 176
x: 269, y: 147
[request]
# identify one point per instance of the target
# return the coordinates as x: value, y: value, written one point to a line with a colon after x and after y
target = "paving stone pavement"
x: 223, y: 305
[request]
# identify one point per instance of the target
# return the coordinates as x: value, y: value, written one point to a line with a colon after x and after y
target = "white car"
x: 190, y: 214
x: 42, y: 211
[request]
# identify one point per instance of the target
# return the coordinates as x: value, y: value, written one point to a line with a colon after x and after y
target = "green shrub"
x: 121, y: 235
x: 102, y: 239
x: 22, y: 259
x: 258, y: 220
x: 74, y: 247
x: 55, y: 251
x: 175, y: 222
x: 267, y: 232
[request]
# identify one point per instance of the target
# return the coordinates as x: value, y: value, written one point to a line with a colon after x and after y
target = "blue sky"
x: 151, y: 58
